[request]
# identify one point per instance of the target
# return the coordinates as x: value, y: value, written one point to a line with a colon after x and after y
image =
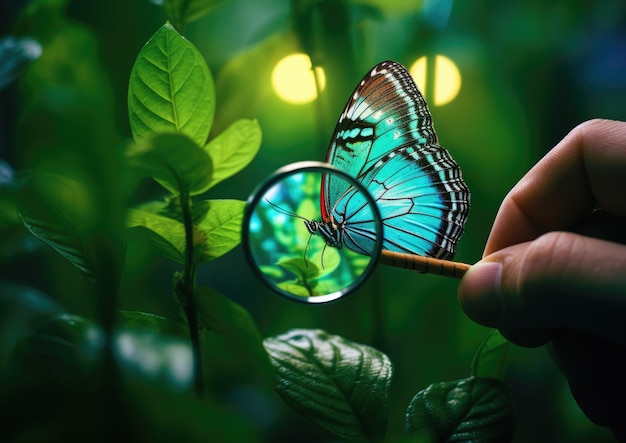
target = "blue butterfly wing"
x: 385, y: 112
x: 386, y: 140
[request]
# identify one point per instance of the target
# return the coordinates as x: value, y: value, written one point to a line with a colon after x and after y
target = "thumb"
x: 559, y: 280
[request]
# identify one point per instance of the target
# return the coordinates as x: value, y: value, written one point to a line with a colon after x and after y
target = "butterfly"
x: 385, y: 139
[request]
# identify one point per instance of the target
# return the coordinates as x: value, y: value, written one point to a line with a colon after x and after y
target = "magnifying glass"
x: 310, y: 253
x: 286, y: 234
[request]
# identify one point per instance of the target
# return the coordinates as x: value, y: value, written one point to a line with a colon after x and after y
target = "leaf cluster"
x: 75, y: 202
x: 340, y: 385
x: 171, y: 105
x: 345, y: 387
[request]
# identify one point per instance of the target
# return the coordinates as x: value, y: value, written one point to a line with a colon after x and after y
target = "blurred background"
x: 505, y: 81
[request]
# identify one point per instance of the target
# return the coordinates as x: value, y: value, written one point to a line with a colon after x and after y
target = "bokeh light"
x: 445, y: 75
x: 294, y: 81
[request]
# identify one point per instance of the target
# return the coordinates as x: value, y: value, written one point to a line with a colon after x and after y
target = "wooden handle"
x: 424, y: 265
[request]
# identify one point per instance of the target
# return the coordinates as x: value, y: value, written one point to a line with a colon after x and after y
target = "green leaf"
x: 216, y: 232
x: 472, y: 409
x: 309, y: 273
x: 220, y: 229
x: 304, y: 285
x: 233, y: 149
x: 171, y: 89
x: 59, y: 212
x: 136, y: 320
x: 58, y: 344
x: 173, y: 160
x: 168, y: 207
x: 232, y: 336
x: 305, y: 271
x: 395, y: 8
x: 187, y: 11
x: 341, y: 385
x: 168, y: 234
x: 297, y: 287
x: 22, y: 310
x: 491, y: 357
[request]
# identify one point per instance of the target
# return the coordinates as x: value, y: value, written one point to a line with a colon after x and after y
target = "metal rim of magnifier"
x: 276, y: 177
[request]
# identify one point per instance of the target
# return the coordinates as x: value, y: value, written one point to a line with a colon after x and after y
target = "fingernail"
x: 479, y: 292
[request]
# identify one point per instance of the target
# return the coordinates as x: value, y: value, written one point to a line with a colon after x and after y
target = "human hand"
x: 554, y: 267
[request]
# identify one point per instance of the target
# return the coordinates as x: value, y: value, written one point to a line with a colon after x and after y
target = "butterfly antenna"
x: 291, y: 214
x: 284, y: 211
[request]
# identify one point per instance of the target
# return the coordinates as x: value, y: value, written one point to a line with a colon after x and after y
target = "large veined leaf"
x: 173, y: 160
x: 490, y: 358
x: 59, y: 212
x: 171, y: 88
x: 339, y: 384
x: 468, y: 410
x: 233, y: 149
x: 220, y: 229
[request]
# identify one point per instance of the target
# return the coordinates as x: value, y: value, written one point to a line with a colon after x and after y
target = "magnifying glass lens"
x: 312, y: 233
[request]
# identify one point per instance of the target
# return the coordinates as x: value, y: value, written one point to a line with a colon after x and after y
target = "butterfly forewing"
x: 384, y: 138
x: 384, y: 112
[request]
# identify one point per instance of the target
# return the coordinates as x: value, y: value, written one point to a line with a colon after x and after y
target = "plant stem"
x: 194, y: 335
x: 107, y: 286
x: 186, y: 290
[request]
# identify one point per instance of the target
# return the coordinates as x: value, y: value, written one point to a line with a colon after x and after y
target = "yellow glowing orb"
x: 445, y: 75
x: 293, y: 79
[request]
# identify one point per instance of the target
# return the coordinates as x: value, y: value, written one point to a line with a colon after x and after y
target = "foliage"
x: 341, y: 385
x: 345, y: 387
x: 159, y: 100
x: 135, y: 371
x: 47, y: 208
x: 77, y: 211
x: 478, y: 408
x: 290, y: 257
x: 472, y: 409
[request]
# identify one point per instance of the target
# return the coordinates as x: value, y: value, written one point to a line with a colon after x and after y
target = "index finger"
x: 587, y: 169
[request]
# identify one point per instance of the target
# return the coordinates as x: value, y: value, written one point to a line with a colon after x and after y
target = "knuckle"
x: 588, y: 126
x: 544, y: 261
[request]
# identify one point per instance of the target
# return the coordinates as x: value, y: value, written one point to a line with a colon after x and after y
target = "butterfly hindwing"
x: 385, y: 139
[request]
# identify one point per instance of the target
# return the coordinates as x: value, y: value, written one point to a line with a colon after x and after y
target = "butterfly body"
x: 385, y: 139
x: 329, y: 231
